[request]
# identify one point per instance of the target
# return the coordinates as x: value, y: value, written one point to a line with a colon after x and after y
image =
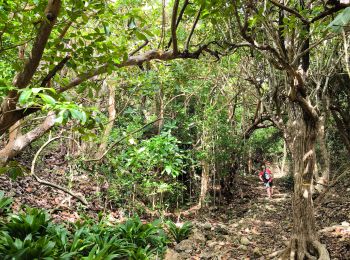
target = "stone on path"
x: 171, y: 254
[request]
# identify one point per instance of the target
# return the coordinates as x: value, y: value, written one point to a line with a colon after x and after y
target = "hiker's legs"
x: 269, y: 192
x: 269, y: 189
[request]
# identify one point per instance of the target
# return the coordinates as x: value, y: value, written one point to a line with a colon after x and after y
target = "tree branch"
x: 290, y: 10
x: 23, y: 78
x: 11, y: 150
x: 53, y: 72
x: 174, y: 26
x: 139, y: 48
x: 330, y: 11
x: 177, y: 22
x: 192, y: 29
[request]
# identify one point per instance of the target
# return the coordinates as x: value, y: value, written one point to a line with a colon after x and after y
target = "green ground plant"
x: 33, y: 235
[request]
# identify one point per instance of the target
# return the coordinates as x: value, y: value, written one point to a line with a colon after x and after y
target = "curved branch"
x: 290, y: 10
x: 53, y: 185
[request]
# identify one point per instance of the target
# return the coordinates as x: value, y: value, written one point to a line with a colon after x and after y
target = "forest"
x: 174, y: 129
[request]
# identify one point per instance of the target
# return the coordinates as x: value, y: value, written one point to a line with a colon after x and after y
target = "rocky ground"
x: 249, y: 227
x: 254, y: 227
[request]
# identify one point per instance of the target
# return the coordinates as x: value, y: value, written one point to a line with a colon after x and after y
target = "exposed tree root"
x: 313, y: 251
x: 321, y: 249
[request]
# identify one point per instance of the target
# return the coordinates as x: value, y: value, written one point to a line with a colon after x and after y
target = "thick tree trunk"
x: 301, y: 140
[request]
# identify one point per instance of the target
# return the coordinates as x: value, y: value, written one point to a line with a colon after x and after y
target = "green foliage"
x: 13, y: 169
x: 181, y: 232
x: 32, y: 235
x: 33, y: 222
x: 5, y: 203
x: 339, y: 22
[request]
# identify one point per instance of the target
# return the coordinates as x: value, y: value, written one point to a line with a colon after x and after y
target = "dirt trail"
x: 253, y: 227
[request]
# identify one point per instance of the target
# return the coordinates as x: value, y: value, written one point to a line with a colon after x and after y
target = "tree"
x: 285, y: 34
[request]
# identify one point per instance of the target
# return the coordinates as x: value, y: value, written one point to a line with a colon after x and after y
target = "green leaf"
x: 140, y: 36
x: 25, y: 95
x: 47, y: 99
x: 168, y: 169
x: 15, y: 172
x: 340, y: 21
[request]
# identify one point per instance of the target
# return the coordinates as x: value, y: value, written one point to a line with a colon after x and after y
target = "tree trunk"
x: 204, y: 183
x: 205, y: 168
x: 323, y: 178
x: 111, y: 119
x: 301, y: 139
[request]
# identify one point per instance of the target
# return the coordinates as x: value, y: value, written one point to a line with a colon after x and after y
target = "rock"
x: 211, y: 243
x: 171, y: 254
x: 243, y: 247
x: 207, y: 255
x: 185, y: 245
x: 197, y: 236
x: 221, y: 229
x: 257, y: 252
x: 207, y: 226
x: 345, y: 223
x: 244, y: 241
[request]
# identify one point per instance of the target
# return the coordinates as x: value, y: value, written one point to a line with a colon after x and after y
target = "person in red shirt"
x: 265, y: 176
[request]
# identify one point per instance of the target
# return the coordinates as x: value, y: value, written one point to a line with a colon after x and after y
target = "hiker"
x: 265, y: 176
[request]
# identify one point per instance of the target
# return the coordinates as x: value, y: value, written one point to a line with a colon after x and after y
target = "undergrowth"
x: 32, y: 234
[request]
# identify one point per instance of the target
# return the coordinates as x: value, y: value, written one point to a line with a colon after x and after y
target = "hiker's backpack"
x: 266, y: 176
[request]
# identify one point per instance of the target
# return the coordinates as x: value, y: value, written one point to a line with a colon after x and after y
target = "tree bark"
x: 322, y: 180
x: 301, y: 139
x: 204, y: 183
x: 111, y: 118
x: 20, y: 143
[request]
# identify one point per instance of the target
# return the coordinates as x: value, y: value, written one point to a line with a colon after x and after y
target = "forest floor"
x: 250, y: 226
x: 254, y: 227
